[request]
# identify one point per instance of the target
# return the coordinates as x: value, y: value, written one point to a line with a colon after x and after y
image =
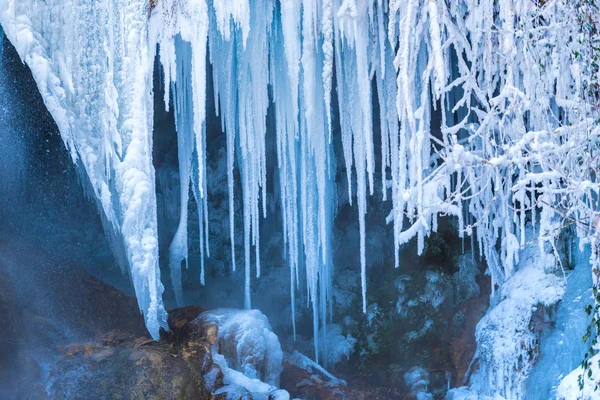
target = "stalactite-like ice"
x: 92, y: 62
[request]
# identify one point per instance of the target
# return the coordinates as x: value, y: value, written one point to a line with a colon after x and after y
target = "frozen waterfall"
x: 513, y: 147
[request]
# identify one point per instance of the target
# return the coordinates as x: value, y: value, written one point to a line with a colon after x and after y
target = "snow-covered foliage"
x: 245, y: 340
x: 487, y: 112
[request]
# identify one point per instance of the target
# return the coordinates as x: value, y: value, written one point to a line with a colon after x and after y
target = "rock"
x: 125, y: 366
x: 307, y: 385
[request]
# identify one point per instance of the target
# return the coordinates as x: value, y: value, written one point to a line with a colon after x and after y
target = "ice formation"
x: 486, y: 113
x: 506, y: 345
x: 336, y: 346
x: 417, y: 379
x: 246, y: 342
x: 563, y: 340
x: 96, y: 80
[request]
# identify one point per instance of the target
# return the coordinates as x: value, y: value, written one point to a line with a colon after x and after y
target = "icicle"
x: 506, y: 112
x: 436, y: 44
x: 327, y: 28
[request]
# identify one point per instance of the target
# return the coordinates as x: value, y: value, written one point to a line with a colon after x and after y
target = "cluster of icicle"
x: 507, y: 78
x: 503, y: 74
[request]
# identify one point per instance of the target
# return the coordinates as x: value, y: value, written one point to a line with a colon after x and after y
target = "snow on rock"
x: 569, y: 389
x: 247, y: 345
x: 506, y: 345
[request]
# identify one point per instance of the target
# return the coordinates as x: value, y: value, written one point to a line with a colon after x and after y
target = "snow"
x: 569, y: 389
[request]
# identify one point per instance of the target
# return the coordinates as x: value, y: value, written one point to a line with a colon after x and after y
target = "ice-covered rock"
x: 464, y: 393
x: 561, y: 347
x: 247, y: 344
x: 506, y: 345
x: 239, y: 386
